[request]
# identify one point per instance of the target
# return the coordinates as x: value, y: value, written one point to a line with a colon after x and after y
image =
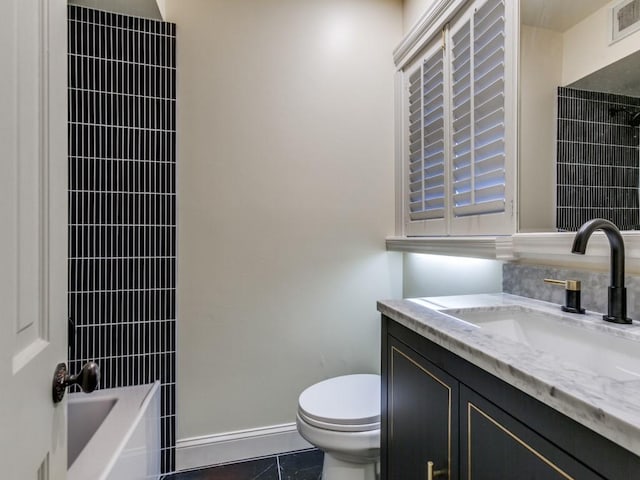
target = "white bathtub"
x: 114, y: 434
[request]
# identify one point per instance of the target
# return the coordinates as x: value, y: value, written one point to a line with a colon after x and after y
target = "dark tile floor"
x: 303, y: 465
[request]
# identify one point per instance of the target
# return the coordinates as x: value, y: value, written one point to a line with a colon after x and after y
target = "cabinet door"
x: 422, y: 417
x: 493, y: 445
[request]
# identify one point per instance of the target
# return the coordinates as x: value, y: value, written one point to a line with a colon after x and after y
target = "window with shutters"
x: 458, y: 179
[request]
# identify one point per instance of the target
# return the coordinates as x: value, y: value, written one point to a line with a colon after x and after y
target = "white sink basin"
x: 602, y: 352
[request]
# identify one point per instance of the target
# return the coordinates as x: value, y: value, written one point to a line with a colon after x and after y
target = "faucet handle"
x: 572, y: 294
x: 573, y: 285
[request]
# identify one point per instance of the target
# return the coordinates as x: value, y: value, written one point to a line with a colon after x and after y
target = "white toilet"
x: 341, y: 416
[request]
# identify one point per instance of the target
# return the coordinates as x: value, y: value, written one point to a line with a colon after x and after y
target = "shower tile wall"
x: 597, y: 162
x: 122, y: 203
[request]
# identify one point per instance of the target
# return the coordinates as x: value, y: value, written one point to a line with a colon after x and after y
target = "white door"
x: 33, y: 239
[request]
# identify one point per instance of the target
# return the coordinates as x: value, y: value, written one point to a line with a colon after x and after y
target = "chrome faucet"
x: 617, y: 301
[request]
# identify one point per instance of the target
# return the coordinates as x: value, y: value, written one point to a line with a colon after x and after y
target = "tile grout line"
x: 278, y: 467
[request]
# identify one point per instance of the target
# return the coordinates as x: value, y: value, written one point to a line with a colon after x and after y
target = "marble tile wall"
x: 528, y: 281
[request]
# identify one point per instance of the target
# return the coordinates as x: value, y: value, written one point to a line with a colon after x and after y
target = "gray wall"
x: 137, y: 8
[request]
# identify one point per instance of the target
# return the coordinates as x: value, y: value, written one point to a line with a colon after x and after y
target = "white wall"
x: 413, y: 10
x: 540, y: 75
x: 285, y: 127
x: 436, y: 275
x: 587, y: 49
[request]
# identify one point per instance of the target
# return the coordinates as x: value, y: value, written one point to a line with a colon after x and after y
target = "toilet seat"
x: 350, y: 403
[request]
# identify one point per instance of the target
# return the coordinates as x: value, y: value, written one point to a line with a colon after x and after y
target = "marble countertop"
x: 606, y: 405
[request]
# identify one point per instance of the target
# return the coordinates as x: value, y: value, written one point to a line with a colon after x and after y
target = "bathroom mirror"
x: 580, y: 107
x: 621, y: 77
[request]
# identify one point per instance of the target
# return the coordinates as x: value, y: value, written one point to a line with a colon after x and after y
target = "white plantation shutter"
x: 458, y: 99
x: 478, y: 112
x: 426, y: 183
x: 461, y: 101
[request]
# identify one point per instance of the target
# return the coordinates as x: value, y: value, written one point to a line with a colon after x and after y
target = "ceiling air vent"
x: 625, y: 19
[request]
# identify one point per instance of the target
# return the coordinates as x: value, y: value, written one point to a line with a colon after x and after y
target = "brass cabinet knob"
x: 431, y: 473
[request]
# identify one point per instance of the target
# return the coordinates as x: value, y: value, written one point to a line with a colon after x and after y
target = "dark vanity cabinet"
x: 495, y: 445
x: 438, y: 408
x: 422, y: 413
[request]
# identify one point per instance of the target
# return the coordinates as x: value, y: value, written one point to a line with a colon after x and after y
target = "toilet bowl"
x: 341, y: 417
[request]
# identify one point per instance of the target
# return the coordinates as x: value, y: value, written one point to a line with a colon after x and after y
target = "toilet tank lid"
x: 346, y: 400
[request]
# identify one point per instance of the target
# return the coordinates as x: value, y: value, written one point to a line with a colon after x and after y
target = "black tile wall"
x: 598, y: 171
x: 122, y: 203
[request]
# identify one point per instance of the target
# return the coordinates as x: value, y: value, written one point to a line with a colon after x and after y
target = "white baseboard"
x: 207, y: 450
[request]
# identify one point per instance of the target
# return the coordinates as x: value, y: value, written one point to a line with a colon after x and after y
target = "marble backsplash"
x: 527, y: 281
